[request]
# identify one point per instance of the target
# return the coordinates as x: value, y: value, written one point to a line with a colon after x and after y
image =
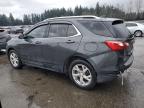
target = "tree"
x: 97, y: 9
x: 69, y: 12
x: 139, y: 4
x: 11, y: 20
x: 3, y: 20
x: 130, y: 6
x: 18, y: 22
x: 26, y: 20
x: 78, y: 10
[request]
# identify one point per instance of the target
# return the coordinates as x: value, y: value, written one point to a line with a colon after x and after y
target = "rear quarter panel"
x: 97, y: 53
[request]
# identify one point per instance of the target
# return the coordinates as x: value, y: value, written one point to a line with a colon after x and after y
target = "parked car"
x: 16, y: 30
x: 4, y: 37
x: 135, y: 28
x: 6, y: 29
x: 90, y: 50
x: 26, y: 27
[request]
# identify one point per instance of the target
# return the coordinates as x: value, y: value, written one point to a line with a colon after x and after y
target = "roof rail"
x: 68, y: 17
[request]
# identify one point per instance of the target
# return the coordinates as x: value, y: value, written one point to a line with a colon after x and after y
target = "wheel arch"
x: 9, y: 49
x: 138, y: 30
x: 72, y: 58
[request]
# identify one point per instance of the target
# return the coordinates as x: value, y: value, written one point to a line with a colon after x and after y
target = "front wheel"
x: 82, y: 74
x: 15, y: 60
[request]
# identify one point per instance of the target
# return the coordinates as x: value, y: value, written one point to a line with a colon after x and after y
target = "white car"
x: 135, y: 28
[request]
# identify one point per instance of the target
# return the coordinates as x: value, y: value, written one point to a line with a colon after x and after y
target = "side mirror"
x: 21, y: 36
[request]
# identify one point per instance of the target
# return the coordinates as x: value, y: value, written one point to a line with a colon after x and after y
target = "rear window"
x: 71, y: 31
x: 131, y: 24
x: 96, y: 27
x: 118, y: 29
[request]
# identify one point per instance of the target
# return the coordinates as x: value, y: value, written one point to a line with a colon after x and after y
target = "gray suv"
x: 88, y: 49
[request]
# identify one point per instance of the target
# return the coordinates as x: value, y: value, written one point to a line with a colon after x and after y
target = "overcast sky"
x: 20, y: 7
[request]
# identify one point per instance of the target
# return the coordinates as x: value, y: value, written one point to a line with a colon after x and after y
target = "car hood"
x: 14, y: 35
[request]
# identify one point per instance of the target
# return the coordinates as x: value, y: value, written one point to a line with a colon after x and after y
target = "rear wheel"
x: 82, y: 74
x: 138, y: 33
x: 14, y: 59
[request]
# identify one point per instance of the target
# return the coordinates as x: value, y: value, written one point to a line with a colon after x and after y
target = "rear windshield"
x: 131, y: 24
x: 118, y: 29
x: 96, y: 27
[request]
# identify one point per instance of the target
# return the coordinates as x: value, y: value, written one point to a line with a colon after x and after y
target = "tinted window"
x: 71, y: 31
x: 38, y: 32
x: 118, y: 29
x: 97, y: 28
x: 131, y: 24
x: 58, y: 30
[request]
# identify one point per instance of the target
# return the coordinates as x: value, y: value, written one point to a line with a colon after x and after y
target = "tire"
x: 82, y: 74
x: 14, y: 60
x: 138, y: 33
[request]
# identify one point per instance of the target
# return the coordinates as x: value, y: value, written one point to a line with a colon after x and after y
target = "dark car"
x: 89, y: 49
x: 3, y: 39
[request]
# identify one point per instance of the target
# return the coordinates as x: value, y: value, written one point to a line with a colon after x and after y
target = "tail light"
x: 117, y: 45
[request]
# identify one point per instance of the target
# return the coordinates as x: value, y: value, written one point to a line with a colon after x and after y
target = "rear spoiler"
x: 1, y: 30
x: 117, y: 22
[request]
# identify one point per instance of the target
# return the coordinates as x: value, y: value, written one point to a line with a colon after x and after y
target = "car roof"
x: 74, y: 18
x: 132, y: 22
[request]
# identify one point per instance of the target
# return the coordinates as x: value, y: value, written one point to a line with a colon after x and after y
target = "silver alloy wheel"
x: 14, y: 59
x: 138, y: 33
x: 81, y: 75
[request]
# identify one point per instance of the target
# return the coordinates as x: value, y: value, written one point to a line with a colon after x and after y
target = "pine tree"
x: 11, y: 20
x: 26, y: 20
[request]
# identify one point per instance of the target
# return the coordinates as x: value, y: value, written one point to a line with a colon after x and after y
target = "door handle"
x: 37, y: 42
x: 70, y: 42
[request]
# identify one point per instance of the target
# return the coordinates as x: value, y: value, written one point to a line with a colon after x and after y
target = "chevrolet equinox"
x: 88, y: 49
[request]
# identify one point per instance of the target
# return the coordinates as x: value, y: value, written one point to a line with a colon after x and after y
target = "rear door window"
x: 58, y: 30
x: 97, y: 28
x: 71, y: 30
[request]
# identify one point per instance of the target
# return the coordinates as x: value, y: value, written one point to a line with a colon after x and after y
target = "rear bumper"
x: 127, y: 64
x: 114, y: 74
x: 111, y: 71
